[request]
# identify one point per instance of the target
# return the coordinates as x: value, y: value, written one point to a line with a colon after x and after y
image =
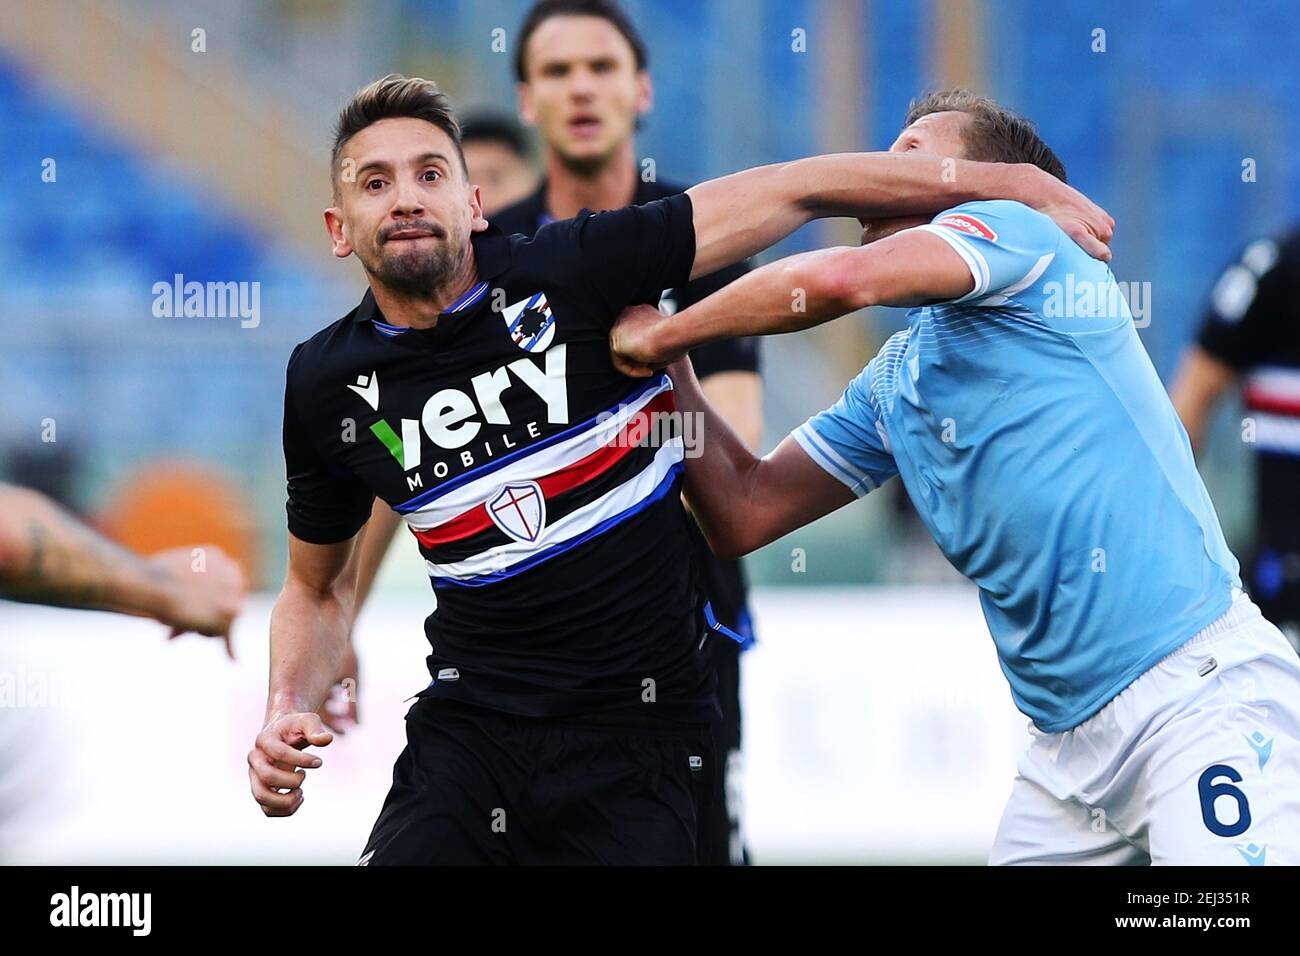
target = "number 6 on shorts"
x: 1210, y: 792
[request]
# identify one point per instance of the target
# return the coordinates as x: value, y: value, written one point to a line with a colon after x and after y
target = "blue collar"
x: 468, y: 299
x: 464, y: 302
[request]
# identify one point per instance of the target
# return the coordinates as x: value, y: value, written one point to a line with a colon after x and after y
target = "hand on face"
x: 1090, y: 226
x: 943, y: 134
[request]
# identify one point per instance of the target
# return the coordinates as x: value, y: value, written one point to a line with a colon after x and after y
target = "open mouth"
x: 584, y: 125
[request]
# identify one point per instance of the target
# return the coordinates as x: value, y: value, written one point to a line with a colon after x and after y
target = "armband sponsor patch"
x: 969, y: 225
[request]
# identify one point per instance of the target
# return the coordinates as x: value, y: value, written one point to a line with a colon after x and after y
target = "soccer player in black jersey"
x: 567, y: 719
x: 582, y: 69
x: 1250, y: 337
x: 583, y: 74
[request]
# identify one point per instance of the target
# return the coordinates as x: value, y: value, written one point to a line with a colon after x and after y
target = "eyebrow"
x: 596, y: 58
x: 381, y: 165
x: 424, y: 158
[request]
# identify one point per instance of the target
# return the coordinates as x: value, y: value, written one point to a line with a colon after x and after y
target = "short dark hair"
x: 492, y: 127
x: 609, y: 10
x: 995, y: 133
x: 393, y: 97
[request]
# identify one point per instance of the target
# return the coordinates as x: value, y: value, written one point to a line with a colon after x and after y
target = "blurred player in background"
x: 496, y: 152
x: 472, y: 390
x: 1250, y: 337
x: 49, y: 557
x: 1043, y: 454
x: 584, y: 83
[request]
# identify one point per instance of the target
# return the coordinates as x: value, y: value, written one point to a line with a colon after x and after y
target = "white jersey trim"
x: 614, y: 502
x: 830, y: 461
x: 975, y: 262
x: 540, y: 463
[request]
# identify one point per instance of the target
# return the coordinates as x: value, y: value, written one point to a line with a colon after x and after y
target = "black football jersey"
x: 739, y: 354
x: 541, y: 486
x: 1253, y: 324
x: 722, y: 581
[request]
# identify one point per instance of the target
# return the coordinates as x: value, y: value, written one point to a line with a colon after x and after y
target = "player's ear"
x: 645, y: 92
x: 477, y: 222
x: 524, y: 96
x: 339, y: 242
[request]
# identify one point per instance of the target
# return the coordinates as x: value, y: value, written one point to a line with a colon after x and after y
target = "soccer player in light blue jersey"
x: 1023, y: 416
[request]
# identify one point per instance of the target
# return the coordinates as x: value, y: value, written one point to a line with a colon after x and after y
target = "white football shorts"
x: 1196, y: 762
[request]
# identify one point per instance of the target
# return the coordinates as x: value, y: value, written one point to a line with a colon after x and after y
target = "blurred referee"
x: 583, y: 82
x: 1250, y: 337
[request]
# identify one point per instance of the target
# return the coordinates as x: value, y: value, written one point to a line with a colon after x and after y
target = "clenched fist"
x: 634, y: 344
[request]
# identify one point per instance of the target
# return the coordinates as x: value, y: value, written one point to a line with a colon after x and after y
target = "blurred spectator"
x: 496, y: 152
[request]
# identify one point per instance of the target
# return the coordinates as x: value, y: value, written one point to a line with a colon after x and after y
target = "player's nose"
x: 582, y: 85
x: 407, y: 200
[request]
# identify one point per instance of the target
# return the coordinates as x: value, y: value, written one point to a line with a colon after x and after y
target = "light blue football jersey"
x: 1041, y: 451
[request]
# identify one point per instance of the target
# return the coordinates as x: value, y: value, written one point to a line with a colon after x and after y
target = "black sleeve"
x: 631, y: 255
x: 324, y: 505
x: 1250, y: 304
x: 727, y: 355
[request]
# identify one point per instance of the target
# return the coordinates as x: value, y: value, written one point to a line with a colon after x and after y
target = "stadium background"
x: 878, y: 726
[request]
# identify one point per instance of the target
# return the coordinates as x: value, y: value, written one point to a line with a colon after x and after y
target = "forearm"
x: 742, y: 214
x: 1201, y: 382
x: 49, y: 557
x: 737, y: 396
x: 885, y: 185
x: 718, y: 468
x: 375, y: 543
x: 1193, y: 411
x: 743, y: 502
x: 789, y: 295
x: 309, y: 635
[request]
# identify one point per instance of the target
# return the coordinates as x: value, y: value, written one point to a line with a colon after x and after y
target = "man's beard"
x: 411, y: 272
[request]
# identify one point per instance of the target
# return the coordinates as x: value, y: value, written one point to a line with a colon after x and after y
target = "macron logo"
x: 368, y: 388
x: 102, y: 909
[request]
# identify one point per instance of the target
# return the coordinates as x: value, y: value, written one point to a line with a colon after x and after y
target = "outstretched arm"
x: 742, y: 214
x: 796, y: 293
x: 49, y: 557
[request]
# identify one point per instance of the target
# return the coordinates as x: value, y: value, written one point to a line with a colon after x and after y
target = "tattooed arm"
x: 49, y: 557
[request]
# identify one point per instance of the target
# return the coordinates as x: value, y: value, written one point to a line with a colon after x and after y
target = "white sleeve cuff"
x: 830, y: 461
x: 974, y: 259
